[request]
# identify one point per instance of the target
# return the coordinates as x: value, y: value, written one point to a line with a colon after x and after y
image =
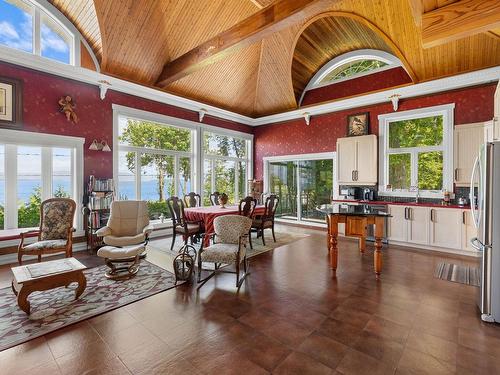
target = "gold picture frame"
x: 11, y: 103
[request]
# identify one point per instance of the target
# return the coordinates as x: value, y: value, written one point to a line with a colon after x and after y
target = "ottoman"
x: 122, y: 261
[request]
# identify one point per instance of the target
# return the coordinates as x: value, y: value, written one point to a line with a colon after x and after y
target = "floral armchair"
x: 55, y: 234
x: 231, y: 232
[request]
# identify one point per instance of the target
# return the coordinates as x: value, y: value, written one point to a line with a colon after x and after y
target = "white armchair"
x: 126, y: 236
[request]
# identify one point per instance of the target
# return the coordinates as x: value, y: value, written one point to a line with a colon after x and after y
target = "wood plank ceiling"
x: 134, y: 39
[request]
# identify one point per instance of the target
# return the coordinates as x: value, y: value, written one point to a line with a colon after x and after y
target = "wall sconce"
x: 99, y: 146
x: 395, y: 101
x: 103, y: 87
x: 201, y: 114
x: 307, y: 118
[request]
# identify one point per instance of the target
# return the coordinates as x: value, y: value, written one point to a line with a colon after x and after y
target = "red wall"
x: 42, y: 91
x: 295, y: 137
x: 356, y: 86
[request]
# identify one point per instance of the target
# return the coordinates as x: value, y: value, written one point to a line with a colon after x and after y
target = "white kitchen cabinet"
x: 357, y: 160
x: 397, y: 226
x: 346, y: 160
x: 469, y: 231
x: 492, y: 128
x: 418, y: 225
x: 446, y: 227
x: 468, y: 139
x: 408, y: 224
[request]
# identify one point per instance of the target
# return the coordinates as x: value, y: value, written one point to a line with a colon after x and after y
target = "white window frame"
x: 197, y: 152
x: 41, y: 8
x: 361, y: 54
x: 298, y: 158
x: 14, y: 138
x: 447, y: 112
x: 213, y: 158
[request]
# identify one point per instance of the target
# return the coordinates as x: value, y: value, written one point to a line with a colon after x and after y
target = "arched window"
x: 37, y: 27
x: 353, y: 69
x: 351, y: 65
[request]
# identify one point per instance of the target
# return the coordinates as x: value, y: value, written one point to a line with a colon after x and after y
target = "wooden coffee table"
x: 45, y: 276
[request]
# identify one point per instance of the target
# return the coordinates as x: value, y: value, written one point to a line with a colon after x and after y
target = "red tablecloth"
x: 208, y: 214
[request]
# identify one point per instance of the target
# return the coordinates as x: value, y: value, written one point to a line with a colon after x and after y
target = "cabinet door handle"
x: 456, y: 174
x: 410, y: 213
x: 356, y: 174
x: 352, y: 176
x: 432, y: 214
x: 406, y: 213
x: 463, y: 217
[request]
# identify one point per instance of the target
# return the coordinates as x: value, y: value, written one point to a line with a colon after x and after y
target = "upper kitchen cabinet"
x: 492, y: 128
x: 468, y: 139
x: 357, y: 160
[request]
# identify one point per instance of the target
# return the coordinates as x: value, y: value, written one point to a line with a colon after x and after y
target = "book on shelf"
x: 97, y: 184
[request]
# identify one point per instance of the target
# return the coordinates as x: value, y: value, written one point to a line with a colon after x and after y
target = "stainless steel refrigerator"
x: 486, y: 215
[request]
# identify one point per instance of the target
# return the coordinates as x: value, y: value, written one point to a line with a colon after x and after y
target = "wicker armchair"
x: 56, y: 230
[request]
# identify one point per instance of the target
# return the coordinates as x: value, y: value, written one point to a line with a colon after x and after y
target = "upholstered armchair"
x: 231, y: 233
x: 55, y: 234
x: 126, y: 236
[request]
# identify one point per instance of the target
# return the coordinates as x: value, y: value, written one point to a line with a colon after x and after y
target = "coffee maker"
x: 368, y: 194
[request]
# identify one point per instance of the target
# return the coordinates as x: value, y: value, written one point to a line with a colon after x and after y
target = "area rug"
x: 54, y: 309
x: 457, y: 274
x: 282, y: 238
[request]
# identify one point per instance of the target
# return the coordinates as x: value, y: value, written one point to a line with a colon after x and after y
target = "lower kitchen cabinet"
x: 418, y: 227
x: 446, y: 227
x: 469, y: 231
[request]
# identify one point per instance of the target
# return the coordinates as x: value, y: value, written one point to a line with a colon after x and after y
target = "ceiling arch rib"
x: 331, y: 34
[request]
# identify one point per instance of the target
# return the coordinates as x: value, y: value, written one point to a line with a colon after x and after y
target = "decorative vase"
x: 223, y: 198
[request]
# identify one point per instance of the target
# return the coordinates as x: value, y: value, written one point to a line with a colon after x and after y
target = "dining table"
x: 207, y: 215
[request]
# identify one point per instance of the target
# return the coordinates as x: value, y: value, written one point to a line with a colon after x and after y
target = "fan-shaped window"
x: 352, y: 69
x: 26, y: 26
x: 351, y: 65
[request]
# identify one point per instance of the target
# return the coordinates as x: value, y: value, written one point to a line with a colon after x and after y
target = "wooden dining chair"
x: 266, y: 220
x: 192, y: 200
x: 188, y: 229
x: 214, y: 198
x: 247, y: 206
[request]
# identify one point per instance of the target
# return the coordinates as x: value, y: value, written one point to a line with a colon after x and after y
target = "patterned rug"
x: 457, y: 274
x: 54, y: 309
x: 282, y: 238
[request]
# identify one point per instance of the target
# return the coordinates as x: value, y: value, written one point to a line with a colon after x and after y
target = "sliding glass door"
x: 283, y: 182
x: 302, y: 185
x: 316, y: 186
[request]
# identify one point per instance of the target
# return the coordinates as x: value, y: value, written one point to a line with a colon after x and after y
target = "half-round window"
x: 353, y: 69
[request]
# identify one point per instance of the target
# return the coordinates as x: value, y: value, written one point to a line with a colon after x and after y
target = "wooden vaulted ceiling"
x: 137, y: 40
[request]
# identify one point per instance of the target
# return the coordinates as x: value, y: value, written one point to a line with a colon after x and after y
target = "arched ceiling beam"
x: 362, y: 20
x: 256, y: 27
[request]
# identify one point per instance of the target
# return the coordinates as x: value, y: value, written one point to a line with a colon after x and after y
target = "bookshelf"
x: 99, y: 193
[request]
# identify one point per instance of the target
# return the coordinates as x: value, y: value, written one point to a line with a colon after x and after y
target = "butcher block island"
x: 356, y: 218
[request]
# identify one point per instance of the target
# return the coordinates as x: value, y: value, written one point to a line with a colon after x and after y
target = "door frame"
x: 296, y: 158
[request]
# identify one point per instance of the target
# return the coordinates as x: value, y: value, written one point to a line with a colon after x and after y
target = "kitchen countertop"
x: 420, y: 204
x: 350, y: 210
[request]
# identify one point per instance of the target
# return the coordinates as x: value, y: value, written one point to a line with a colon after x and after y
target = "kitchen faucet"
x: 417, y: 190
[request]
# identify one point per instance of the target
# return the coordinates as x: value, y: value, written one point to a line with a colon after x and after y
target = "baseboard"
x: 434, y: 249
x: 12, y: 258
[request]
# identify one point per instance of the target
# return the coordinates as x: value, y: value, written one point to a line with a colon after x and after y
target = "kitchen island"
x: 356, y: 219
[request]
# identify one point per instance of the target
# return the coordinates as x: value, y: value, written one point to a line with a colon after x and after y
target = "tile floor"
x: 290, y: 317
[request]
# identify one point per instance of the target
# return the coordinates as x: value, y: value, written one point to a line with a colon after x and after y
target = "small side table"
x: 46, y: 276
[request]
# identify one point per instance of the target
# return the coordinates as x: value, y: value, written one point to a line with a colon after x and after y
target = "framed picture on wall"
x: 358, y: 124
x: 11, y: 103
